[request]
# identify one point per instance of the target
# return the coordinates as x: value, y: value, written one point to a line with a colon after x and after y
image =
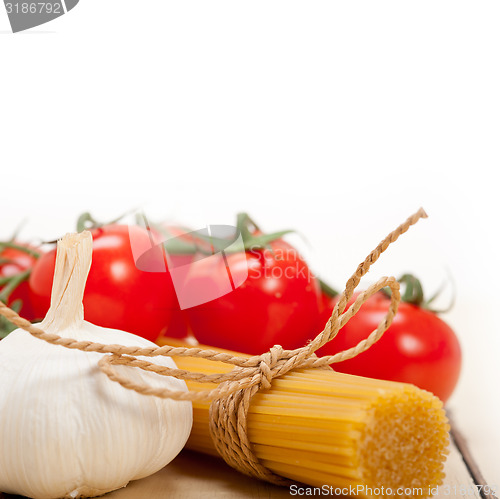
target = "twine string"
x: 232, y: 397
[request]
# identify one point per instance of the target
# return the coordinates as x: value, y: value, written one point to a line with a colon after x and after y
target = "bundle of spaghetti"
x: 321, y: 427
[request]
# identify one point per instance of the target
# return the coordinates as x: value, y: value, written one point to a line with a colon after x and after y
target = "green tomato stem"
x: 12, y: 284
x: 327, y: 289
x: 19, y: 247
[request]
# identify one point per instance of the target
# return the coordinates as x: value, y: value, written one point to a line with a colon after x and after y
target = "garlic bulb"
x: 66, y: 430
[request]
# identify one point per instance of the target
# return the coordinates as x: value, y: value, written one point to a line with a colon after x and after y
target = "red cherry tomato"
x: 179, y: 323
x: 118, y: 294
x: 418, y: 348
x: 15, y: 263
x: 276, y: 304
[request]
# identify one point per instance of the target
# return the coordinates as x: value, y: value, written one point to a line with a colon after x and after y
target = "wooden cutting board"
x: 193, y: 476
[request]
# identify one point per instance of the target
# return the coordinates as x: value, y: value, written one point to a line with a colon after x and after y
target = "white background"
x: 338, y: 119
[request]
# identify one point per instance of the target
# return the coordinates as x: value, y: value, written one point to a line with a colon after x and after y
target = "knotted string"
x: 232, y: 397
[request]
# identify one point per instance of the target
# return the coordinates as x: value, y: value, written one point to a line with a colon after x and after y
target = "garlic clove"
x: 66, y: 430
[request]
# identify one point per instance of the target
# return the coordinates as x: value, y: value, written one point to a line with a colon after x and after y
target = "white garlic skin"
x: 66, y: 430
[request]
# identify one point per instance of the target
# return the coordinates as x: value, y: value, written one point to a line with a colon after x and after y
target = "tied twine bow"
x: 232, y: 397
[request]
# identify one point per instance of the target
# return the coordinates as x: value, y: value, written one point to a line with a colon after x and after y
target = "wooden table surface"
x: 193, y: 476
